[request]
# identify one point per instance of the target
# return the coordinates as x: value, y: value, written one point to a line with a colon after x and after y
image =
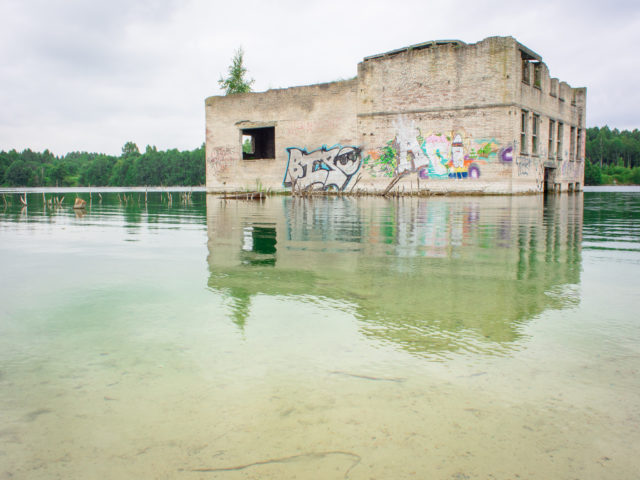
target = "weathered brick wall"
x: 554, y: 103
x: 477, y: 156
x: 440, y: 77
x: 435, y: 117
x: 445, y: 111
x: 305, y: 117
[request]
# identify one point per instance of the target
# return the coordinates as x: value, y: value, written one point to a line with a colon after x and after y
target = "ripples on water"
x: 333, y: 337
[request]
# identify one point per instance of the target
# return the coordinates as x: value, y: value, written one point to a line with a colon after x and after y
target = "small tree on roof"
x: 236, y: 82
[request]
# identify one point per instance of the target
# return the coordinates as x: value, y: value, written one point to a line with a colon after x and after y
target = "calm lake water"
x: 325, y: 338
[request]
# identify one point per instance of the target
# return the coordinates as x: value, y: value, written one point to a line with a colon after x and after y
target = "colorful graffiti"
x: 506, y: 154
x: 434, y: 156
x: 321, y: 169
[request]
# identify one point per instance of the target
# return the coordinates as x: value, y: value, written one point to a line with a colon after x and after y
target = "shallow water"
x: 452, y: 338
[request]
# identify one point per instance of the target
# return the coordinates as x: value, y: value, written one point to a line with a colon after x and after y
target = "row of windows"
x: 530, y: 137
x: 527, y: 62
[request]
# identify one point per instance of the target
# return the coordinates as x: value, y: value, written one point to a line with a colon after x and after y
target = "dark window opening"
x: 559, y: 142
x: 552, y: 129
x: 526, y: 76
x: 534, y: 134
x: 579, y: 145
x: 523, y: 131
x: 259, y: 143
x: 527, y: 60
x: 537, y: 75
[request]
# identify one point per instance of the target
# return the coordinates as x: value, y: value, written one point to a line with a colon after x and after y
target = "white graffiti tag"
x: 411, y: 157
x: 321, y: 169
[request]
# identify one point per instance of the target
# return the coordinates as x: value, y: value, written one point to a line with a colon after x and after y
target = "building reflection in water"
x: 432, y: 275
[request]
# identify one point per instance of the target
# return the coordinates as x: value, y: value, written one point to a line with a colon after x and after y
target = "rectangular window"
x: 534, y: 134
x: 552, y: 129
x: 523, y: 131
x: 579, y: 145
x: 258, y: 143
x: 537, y: 75
x: 572, y: 144
x: 559, y: 143
x: 526, y: 75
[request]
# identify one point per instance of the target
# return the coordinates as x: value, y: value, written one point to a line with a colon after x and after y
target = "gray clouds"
x: 85, y: 75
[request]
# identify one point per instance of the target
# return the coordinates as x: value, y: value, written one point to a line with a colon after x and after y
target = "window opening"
x: 552, y: 128
x: 534, y: 134
x: 258, y: 143
x: 523, y: 131
x: 537, y: 75
x: 572, y: 143
x: 579, y: 145
x: 526, y: 75
x: 559, y: 143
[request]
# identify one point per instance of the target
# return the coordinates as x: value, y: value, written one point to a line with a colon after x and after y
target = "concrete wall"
x: 554, y: 103
x: 444, y: 109
x: 304, y: 117
x: 437, y: 117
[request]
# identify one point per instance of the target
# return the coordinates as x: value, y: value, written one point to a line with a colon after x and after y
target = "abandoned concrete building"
x: 437, y: 117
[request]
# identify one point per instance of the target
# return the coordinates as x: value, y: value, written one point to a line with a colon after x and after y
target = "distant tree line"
x: 132, y: 168
x: 613, y: 156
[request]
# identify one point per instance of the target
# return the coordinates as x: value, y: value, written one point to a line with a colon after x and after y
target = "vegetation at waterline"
x: 132, y: 168
x: 613, y: 156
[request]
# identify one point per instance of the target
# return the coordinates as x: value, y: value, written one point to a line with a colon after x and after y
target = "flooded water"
x: 360, y: 338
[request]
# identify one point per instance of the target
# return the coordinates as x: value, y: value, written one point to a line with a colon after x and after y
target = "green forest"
x: 77, y: 169
x: 613, y: 157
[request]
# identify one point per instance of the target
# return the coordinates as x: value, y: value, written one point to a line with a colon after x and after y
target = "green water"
x: 442, y: 338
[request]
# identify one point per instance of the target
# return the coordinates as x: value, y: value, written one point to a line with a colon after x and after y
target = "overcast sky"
x: 92, y: 75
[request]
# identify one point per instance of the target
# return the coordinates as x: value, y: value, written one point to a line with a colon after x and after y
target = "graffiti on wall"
x: 219, y: 159
x: 524, y: 165
x: 571, y: 170
x: 532, y: 168
x: 434, y: 156
x: 321, y: 169
x: 506, y: 154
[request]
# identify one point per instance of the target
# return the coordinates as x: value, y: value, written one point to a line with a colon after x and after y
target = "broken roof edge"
x: 529, y: 53
x: 262, y: 92
x: 417, y: 46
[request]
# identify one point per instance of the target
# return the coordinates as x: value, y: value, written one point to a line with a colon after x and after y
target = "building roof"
x: 417, y: 46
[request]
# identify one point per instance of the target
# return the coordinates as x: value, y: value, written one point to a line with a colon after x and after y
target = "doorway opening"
x: 549, y: 185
